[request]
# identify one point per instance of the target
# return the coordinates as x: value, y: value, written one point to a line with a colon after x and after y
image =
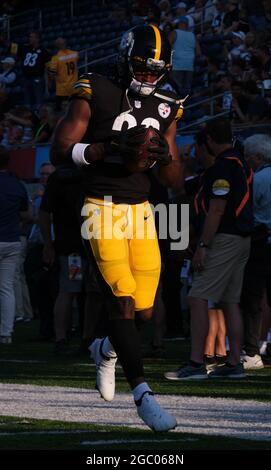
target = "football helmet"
x: 145, y: 56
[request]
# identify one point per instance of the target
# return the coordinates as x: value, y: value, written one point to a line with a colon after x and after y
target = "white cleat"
x: 252, y: 362
x: 105, y: 370
x: 153, y: 415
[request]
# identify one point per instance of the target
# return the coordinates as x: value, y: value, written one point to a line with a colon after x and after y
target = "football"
x: 143, y: 161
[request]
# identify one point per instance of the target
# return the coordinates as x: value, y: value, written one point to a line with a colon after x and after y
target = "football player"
x: 102, y: 132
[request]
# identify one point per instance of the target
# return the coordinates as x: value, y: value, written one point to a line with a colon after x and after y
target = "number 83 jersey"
x: 114, y: 109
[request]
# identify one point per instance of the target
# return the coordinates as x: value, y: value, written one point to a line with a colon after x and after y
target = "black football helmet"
x: 144, y: 52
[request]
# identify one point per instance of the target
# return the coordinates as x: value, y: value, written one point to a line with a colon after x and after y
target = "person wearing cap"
x: 8, y: 76
x: 185, y: 48
x: 238, y: 41
x: 8, y: 80
x: 180, y: 11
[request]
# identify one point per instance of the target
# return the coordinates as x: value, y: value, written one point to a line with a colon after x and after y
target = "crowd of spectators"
x: 221, y: 47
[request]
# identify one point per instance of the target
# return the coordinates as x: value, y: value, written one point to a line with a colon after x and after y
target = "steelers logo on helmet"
x: 145, y: 56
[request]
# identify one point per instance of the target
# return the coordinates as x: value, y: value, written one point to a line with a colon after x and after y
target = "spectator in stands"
x: 180, y: 12
x: 166, y: 14
x: 197, y: 11
x: 185, y: 49
x: 210, y: 11
x: 256, y: 14
x: 258, y: 269
x: 34, y: 58
x: 24, y: 119
x: 222, y: 252
x: 47, y: 124
x: 63, y: 68
x: 250, y: 41
x: 258, y: 106
x: 224, y: 84
x: 238, y: 48
x: 239, y: 102
x: 264, y: 55
x: 217, y: 23
x: 167, y: 28
x: 231, y: 18
x: 8, y: 79
x: 13, y: 205
x: 12, y: 132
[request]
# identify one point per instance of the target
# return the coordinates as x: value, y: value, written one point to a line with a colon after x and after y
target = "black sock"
x: 196, y: 364
x: 124, y: 336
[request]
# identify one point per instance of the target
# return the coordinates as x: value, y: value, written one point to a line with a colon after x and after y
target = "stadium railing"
x: 29, y: 19
x: 83, y: 53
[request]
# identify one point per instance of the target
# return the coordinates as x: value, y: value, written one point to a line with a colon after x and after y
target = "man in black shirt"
x: 59, y: 206
x: 223, y: 206
x: 33, y: 59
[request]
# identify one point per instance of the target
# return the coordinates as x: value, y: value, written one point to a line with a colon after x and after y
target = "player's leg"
x: 145, y: 265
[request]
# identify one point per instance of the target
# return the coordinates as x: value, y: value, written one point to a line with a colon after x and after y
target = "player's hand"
x: 95, y: 152
x: 129, y: 142
x: 159, y: 151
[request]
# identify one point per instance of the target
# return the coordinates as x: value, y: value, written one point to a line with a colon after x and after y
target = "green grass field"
x: 25, y: 434
x: 46, y: 369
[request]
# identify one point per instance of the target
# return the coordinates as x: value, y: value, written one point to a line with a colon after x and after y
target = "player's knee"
x: 145, y: 315
x: 123, y: 308
x: 125, y: 287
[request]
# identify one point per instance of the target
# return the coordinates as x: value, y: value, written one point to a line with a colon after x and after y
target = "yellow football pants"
x: 124, y: 243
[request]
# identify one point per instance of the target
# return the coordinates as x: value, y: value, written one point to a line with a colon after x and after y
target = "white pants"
x: 9, y: 255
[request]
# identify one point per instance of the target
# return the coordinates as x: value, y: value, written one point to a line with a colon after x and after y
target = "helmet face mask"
x: 144, y: 58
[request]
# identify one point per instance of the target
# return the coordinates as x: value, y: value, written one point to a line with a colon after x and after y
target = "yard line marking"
x: 24, y: 361
x: 34, y: 433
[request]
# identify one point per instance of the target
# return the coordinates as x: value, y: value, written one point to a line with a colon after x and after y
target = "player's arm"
x: 172, y: 173
x: 66, y: 146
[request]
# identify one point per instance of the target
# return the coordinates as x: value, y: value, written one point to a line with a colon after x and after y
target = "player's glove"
x: 129, y: 142
x: 159, y: 152
x: 94, y: 152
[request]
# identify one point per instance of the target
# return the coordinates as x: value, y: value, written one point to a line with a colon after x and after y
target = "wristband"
x: 78, y: 154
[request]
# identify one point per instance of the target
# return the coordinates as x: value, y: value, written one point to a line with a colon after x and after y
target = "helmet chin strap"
x: 143, y: 88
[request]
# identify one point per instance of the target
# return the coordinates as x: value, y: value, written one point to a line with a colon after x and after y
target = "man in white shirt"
x: 8, y: 76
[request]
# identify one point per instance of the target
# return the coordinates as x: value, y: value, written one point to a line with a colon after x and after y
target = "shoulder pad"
x: 165, y: 95
x: 82, y: 88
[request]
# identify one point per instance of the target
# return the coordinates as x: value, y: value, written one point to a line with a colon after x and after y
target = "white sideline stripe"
x: 22, y: 361
x: 42, y: 433
x: 133, y: 441
x: 245, y: 419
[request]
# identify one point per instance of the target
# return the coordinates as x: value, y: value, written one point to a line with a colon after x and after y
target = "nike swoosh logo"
x: 146, y: 217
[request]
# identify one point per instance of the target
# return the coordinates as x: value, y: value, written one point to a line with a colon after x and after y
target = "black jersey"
x: 33, y: 60
x: 113, y: 110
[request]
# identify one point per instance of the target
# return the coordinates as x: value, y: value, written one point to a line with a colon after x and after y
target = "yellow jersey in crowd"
x: 63, y: 66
